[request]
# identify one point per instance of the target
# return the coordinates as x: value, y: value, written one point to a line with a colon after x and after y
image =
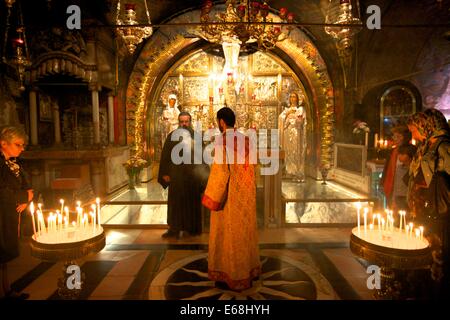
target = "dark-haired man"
x: 233, y: 256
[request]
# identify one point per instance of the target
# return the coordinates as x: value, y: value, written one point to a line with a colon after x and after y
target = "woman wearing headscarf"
x: 15, y: 194
x: 429, y: 188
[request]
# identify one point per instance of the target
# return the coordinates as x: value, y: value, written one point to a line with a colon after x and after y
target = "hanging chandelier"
x: 20, y: 58
x: 245, y: 23
x: 343, y: 35
x: 132, y: 35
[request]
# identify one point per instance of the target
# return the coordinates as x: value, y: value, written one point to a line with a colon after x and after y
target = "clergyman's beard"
x: 221, y: 128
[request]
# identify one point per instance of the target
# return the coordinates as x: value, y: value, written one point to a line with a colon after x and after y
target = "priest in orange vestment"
x: 233, y: 256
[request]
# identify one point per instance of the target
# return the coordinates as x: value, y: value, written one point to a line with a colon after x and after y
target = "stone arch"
x: 160, y: 52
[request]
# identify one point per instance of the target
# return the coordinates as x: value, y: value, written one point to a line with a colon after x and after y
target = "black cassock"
x: 187, y: 182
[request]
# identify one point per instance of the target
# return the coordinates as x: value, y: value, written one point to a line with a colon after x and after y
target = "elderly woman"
x: 15, y: 194
x: 429, y: 188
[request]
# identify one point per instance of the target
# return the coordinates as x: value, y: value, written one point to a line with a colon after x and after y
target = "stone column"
x: 95, y: 112
x: 111, y: 118
x: 56, y: 123
x: 33, y: 118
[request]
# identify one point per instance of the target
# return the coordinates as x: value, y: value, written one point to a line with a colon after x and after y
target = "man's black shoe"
x: 169, y: 234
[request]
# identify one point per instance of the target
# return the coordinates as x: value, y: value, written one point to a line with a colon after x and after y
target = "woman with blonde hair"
x: 15, y: 194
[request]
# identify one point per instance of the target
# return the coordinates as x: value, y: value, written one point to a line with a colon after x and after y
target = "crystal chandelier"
x: 343, y: 35
x: 132, y: 35
x: 20, y: 59
x: 244, y: 23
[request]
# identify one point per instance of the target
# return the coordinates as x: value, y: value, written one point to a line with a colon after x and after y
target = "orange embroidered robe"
x: 233, y: 255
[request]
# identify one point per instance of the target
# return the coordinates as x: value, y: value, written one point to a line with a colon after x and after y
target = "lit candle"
x: 79, y: 216
x: 376, y: 140
x: 401, y: 219
x: 411, y: 225
x: 413, y: 141
x: 421, y: 232
x: 407, y: 230
x: 66, y: 211
x: 62, y: 205
x: 358, y: 208
x: 417, y: 230
x: 97, y: 200
x: 371, y: 226
x: 60, y: 221
x: 66, y: 223
x: 366, y: 210
x: 94, y: 209
x: 32, y: 219
x: 383, y: 222
x: 379, y: 221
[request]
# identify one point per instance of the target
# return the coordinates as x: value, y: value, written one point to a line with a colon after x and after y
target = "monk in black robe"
x: 186, y: 181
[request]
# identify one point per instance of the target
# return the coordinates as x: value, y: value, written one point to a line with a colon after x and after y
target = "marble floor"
x: 137, y: 264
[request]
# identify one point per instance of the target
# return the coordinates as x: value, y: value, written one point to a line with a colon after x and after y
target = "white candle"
x: 97, y: 200
x: 401, y: 219
x: 66, y: 211
x: 407, y: 230
x: 79, y: 216
x: 421, y: 232
x: 371, y: 226
x: 94, y: 211
x: 376, y: 140
x: 32, y: 219
x: 48, y: 223
x: 358, y: 208
x: 60, y: 221
x: 411, y: 225
x: 366, y: 210
x: 62, y: 205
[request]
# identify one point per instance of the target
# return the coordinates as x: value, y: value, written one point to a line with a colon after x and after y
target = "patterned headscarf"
x: 418, y: 120
x: 431, y: 123
x: 436, y: 124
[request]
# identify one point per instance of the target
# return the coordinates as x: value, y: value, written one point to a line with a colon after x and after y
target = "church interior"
x: 98, y: 85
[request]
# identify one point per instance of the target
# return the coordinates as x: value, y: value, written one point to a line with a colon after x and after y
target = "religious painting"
x: 199, y: 62
x: 45, y: 107
x: 265, y: 89
x: 264, y: 63
x: 195, y: 90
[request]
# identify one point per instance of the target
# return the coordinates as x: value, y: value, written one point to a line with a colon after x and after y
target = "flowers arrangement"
x: 360, y: 127
x: 135, y: 164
